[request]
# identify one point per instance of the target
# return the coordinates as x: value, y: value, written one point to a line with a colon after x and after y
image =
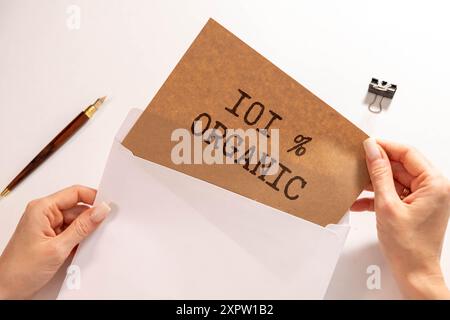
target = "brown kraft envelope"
x: 236, y: 87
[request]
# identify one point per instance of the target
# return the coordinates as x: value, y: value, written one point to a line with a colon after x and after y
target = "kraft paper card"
x: 226, y: 85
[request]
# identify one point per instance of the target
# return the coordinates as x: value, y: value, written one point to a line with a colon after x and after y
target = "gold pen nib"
x: 5, y: 192
x: 89, y: 111
x: 101, y: 100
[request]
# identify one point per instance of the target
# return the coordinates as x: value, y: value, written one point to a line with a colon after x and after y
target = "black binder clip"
x: 383, y: 89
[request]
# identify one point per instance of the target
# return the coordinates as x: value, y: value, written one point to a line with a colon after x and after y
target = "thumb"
x: 380, y: 172
x: 84, y: 225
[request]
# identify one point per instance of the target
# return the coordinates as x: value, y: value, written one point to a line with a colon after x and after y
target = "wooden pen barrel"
x: 50, y: 148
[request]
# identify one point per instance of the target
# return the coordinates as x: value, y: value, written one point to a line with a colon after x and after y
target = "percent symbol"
x: 300, y: 140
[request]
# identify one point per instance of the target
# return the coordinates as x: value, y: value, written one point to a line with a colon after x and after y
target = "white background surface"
x: 126, y: 49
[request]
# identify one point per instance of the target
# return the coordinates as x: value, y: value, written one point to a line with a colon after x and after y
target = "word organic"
x: 223, y: 141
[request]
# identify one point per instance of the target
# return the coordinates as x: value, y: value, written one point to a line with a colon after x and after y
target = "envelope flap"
x: 130, y: 120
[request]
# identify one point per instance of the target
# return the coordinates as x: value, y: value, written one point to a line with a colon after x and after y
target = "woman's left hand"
x: 50, y: 228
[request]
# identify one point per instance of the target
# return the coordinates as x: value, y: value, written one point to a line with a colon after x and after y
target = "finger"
x: 67, y: 216
x: 72, y: 213
x: 69, y: 197
x: 363, y: 204
x: 380, y: 172
x: 399, y: 187
x: 86, y: 223
x: 414, y: 162
x: 401, y: 175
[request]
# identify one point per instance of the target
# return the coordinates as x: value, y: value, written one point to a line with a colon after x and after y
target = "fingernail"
x: 372, y: 149
x: 100, y: 212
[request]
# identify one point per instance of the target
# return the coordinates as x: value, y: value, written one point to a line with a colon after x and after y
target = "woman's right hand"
x: 410, y: 230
